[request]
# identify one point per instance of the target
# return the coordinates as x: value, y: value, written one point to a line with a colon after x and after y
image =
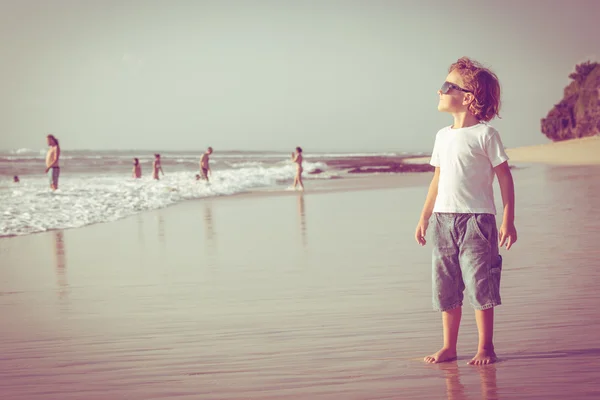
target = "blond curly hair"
x: 484, y: 85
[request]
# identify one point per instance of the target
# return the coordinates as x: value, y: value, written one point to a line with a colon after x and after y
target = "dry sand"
x: 314, y: 296
x: 585, y: 151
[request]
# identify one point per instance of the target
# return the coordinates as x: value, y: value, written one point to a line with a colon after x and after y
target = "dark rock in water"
x: 393, y: 168
x: 578, y: 113
x: 360, y: 164
x: 316, y: 172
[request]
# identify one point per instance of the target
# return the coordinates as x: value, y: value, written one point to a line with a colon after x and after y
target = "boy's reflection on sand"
x: 455, y: 390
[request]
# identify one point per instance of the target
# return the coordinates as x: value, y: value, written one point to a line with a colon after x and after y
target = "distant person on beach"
x: 198, y: 177
x: 137, y: 169
x: 52, y: 157
x: 460, y: 202
x: 205, y: 164
x: 16, y: 179
x: 156, y: 166
x: 297, y: 159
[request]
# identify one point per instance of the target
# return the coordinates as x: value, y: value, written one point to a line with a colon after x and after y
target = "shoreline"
x: 354, y: 183
x: 584, y: 151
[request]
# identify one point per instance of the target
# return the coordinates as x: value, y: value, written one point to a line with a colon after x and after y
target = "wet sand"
x: 317, y: 296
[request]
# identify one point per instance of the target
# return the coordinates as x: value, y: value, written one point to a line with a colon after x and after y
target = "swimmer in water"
x: 137, y: 169
x: 156, y: 166
x: 52, y: 157
x: 204, y: 164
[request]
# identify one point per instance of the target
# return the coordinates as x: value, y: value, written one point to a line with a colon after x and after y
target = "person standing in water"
x: 156, y: 166
x: 137, y: 169
x: 52, y: 157
x: 204, y: 164
x: 297, y: 158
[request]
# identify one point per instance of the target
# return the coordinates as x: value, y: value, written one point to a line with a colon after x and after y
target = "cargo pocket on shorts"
x: 494, y: 278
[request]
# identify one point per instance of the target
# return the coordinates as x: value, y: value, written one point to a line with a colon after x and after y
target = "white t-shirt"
x: 467, y: 157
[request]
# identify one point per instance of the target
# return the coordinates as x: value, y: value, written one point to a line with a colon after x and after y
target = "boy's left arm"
x: 508, y: 232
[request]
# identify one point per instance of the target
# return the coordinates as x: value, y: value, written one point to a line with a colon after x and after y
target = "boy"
x: 204, y: 164
x: 466, y: 156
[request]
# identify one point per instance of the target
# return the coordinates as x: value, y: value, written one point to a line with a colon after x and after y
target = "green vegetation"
x: 578, y: 113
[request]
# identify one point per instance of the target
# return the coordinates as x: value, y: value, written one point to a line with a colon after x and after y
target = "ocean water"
x: 96, y: 186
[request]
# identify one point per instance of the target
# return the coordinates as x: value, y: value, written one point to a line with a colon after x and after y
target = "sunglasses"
x: 446, y: 86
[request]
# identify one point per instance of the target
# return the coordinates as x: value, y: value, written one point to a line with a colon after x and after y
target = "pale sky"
x: 271, y: 75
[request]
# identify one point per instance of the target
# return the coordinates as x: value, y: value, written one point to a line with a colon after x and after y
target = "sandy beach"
x: 322, y: 295
x: 585, y: 151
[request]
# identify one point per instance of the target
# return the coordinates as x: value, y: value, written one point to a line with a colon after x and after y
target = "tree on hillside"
x: 578, y: 113
x: 582, y: 71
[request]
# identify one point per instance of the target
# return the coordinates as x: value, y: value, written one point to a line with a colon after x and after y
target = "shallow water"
x: 320, y: 296
x: 96, y: 186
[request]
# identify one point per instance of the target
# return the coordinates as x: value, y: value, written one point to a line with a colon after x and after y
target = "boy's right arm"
x: 427, y: 209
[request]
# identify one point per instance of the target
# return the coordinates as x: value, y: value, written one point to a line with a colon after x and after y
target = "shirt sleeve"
x: 494, y: 149
x: 435, y: 155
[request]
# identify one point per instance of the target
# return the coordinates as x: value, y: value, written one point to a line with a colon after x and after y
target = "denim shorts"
x: 53, y: 174
x: 465, y: 254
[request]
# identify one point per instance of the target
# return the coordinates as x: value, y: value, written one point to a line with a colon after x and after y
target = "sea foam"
x: 84, y: 199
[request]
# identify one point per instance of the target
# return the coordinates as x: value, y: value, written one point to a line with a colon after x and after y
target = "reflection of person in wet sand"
x: 297, y: 159
x: 156, y: 166
x: 210, y: 235
x: 302, y: 214
x: 489, y: 388
x: 161, y: 228
x: 137, y: 169
x: 52, y: 157
x: 456, y: 390
x: 205, y: 164
x: 208, y: 219
x: 59, y: 253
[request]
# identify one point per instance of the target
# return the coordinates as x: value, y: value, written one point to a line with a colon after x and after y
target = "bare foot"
x: 484, y: 357
x: 444, y: 355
